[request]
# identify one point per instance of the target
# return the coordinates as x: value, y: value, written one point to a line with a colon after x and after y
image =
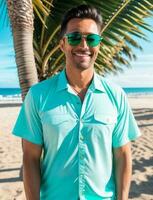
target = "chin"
x: 83, y: 66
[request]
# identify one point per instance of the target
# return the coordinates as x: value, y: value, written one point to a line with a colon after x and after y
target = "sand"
x: 11, y: 186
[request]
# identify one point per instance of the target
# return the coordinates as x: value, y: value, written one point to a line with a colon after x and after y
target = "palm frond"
x: 122, y: 21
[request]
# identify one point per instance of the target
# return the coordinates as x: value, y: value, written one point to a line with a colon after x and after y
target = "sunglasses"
x: 75, y: 39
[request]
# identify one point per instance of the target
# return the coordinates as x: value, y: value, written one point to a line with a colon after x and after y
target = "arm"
x: 123, y: 170
x: 31, y: 169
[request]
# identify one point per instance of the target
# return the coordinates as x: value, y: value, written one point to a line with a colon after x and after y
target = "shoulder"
x: 111, y: 86
x: 40, y: 91
x: 115, y: 93
x: 43, y: 88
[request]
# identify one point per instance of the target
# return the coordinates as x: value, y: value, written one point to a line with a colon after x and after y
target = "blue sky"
x: 8, y: 71
x: 140, y: 75
x: 141, y: 72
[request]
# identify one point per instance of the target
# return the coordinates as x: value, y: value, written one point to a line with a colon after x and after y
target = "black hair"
x: 82, y: 11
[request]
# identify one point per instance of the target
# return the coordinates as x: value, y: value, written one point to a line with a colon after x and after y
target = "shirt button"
x: 81, y: 137
x: 81, y: 157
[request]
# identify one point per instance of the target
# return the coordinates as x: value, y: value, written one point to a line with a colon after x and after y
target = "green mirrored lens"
x: 74, y: 38
x: 93, y: 40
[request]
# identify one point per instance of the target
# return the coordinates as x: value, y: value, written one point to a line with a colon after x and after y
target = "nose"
x: 83, y: 42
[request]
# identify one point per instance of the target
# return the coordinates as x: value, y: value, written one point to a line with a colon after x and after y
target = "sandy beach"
x: 11, y: 186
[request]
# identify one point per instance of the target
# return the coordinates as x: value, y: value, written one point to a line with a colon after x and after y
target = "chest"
x: 69, y: 109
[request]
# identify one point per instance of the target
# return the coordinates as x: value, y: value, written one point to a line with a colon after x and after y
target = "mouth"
x: 82, y: 54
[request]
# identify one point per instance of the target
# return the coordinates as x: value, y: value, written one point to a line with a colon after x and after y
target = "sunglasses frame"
x: 68, y: 35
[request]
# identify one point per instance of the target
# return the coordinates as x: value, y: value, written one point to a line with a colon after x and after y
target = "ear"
x: 61, y: 43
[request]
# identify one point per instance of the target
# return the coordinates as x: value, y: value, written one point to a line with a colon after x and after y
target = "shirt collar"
x: 96, y: 83
x: 62, y: 81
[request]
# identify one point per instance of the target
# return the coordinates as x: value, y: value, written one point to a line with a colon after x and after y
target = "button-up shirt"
x: 77, y: 137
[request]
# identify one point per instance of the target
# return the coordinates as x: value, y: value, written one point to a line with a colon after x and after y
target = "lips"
x: 82, y: 54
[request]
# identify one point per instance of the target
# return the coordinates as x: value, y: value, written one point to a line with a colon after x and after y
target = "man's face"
x: 81, y: 56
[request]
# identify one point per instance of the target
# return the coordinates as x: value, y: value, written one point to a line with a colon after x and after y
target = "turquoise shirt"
x: 77, y: 137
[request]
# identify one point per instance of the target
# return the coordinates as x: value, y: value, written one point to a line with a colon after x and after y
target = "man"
x: 76, y: 127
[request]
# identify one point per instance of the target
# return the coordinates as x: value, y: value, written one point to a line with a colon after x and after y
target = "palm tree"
x: 21, y: 15
x: 123, y: 19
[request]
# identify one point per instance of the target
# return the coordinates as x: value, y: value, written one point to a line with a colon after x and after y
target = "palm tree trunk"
x: 21, y: 17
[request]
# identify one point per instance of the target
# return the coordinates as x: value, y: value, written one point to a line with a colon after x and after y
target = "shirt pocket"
x: 103, y: 126
x: 104, y: 119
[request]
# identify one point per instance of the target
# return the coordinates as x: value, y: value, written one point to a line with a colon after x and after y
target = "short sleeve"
x: 28, y: 125
x: 126, y: 128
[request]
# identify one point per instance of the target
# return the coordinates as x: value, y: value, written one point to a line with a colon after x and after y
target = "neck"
x: 79, y: 79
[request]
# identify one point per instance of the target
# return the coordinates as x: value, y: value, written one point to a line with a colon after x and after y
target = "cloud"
x: 8, y: 68
x: 10, y: 80
x: 137, y: 81
x: 146, y: 55
x: 7, y: 63
x: 135, y: 77
x: 6, y: 50
x: 144, y: 63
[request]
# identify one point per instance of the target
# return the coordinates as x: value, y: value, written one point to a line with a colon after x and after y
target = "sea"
x: 10, y: 95
x: 138, y: 90
x: 14, y: 94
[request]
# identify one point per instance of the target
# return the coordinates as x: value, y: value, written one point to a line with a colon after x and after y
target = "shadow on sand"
x: 10, y: 180
x: 145, y: 187
x: 144, y: 118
